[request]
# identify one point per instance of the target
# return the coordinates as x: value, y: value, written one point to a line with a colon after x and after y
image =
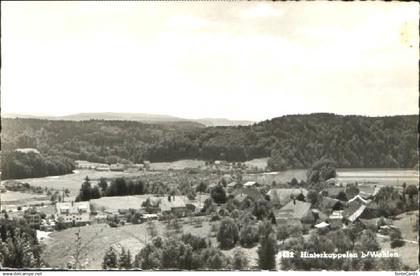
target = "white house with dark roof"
x: 283, y: 196
x: 73, y: 212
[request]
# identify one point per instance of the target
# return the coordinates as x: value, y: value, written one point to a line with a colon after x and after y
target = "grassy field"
x: 376, y: 176
x: 177, y: 165
x: 18, y: 198
x: 260, y: 163
x: 406, y: 222
x: 115, y: 203
x: 379, y: 176
x: 278, y: 177
x: 409, y: 252
x: 96, y: 239
x: 74, y: 181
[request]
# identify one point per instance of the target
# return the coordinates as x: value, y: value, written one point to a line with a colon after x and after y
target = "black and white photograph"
x: 209, y: 136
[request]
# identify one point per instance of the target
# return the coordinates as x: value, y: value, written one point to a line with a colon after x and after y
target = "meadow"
x: 74, y: 181
x: 97, y: 238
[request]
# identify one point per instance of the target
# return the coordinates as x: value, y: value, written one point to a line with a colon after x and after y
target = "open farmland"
x: 409, y: 252
x: 406, y: 222
x: 368, y: 176
x: 18, y: 198
x: 379, y: 176
x: 260, y: 163
x: 96, y: 239
x: 115, y: 203
x: 74, y: 181
x: 177, y: 165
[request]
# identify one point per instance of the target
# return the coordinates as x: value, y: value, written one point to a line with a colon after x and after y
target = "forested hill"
x: 294, y: 141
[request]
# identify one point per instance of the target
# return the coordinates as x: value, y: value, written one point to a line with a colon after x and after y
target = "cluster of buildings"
x: 330, y: 211
x: 291, y: 206
x: 85, y: 165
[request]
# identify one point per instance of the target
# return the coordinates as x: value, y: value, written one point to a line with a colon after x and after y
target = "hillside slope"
x: 294, y: 141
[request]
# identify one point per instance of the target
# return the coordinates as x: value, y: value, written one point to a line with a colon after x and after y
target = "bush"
x: 396, y: 238
x: 218, y: 194
x: 248, y: 236
x: 194, y: 241
x: 213, y: 258
x: 228, y: 233
x: 239, y: 262
x: 215, y: 217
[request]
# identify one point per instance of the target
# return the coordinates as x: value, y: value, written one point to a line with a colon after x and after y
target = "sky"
x: 236, y: 60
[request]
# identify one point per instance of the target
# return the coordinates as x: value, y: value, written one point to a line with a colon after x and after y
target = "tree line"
x: 17, y: 164
x: 117, y: 187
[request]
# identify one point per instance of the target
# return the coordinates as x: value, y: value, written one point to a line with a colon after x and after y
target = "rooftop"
x: 73, y: 207
x: 294, y: 209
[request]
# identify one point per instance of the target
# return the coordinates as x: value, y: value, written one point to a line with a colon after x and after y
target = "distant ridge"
x: 141, y: 117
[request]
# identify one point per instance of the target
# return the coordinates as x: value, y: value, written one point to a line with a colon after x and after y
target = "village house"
x: 359, y: 199
x: 147, y: 165
x: 295, y: 213
x: 319, y: 215
x: 250, y: 192
x: 280, y: 197
x: 117, y: 167
x: 47, y: 225
x: 149, y: 217
x: 368, y: 191
x: 103, y: 167
x: 168, y: 205
x: 85, y: 165
x: 75, y: 213
x: 251, y: 184
x: 32, y: 217
x: 353, y: 212
x: 336, y: 219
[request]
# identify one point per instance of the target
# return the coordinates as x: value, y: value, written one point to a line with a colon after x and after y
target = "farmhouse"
x: 295, y: 212
x: 280, y: 197
x: 168, y: 205
x: 321, y: 225
x: 359, y: 199
x: 251, y: 184
x: 32, y: 217
x: 368, y: 191
x: 251, y: 192
x: 353, y: 212
x: 102, y: 168
x: 117, y: 167
x: 336, y: 219
x: 75, y: 213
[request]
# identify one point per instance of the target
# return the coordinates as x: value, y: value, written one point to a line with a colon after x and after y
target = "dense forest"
x: 17, y: 164
x: 293, y: 141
